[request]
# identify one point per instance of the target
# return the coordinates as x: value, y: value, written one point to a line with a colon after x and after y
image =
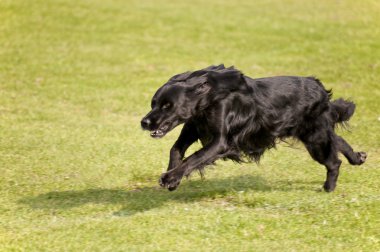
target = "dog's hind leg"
x: 354, y: 158
x: 322, y: 148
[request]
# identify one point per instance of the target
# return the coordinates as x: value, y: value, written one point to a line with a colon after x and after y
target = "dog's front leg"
x: 187, y: 137
x: 199, y: 159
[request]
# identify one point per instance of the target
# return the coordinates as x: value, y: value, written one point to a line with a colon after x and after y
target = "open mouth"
x: 160, y: 132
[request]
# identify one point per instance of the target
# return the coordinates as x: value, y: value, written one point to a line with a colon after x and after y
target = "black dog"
x: 235, y: 116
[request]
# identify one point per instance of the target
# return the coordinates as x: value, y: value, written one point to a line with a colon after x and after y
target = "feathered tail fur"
x: 342, y: 110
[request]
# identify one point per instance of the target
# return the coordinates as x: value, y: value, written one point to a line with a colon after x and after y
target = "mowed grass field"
x: 79, y: 174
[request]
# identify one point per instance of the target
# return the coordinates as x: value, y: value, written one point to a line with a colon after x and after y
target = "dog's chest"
x: 204, y: 132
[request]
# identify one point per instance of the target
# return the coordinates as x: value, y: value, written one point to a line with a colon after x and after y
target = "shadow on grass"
x: 146, y: 198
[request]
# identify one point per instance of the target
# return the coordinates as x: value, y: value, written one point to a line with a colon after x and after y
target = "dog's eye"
x: 166, y: 106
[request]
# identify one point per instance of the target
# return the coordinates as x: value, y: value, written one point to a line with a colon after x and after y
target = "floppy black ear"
x: 231, y: 80
x: 202, y: 88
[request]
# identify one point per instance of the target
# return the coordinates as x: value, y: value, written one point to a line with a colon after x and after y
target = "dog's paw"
x: 362, y: 157
x: 170, y: 180
x: 329, y: 187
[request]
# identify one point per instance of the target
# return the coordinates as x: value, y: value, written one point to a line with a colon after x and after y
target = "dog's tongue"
x: 156, y: 133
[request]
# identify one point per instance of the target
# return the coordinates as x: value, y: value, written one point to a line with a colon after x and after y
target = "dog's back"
x: 294, y: 100
x: 286, y: 104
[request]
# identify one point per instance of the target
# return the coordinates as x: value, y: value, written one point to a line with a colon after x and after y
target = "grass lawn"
x: 78, y: 173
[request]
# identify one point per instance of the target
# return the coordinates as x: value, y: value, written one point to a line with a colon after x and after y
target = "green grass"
x: 78, y: 173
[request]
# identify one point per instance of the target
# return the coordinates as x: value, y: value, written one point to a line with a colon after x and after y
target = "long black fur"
x: 239, y: 118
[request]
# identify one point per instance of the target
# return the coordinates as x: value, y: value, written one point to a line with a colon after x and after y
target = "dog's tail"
x: 342, y: 110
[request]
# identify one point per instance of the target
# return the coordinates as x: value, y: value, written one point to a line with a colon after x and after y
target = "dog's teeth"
x: 155, y: 133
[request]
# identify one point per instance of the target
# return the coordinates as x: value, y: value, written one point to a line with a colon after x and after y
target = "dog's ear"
x: 202, y: 88
x: 230, y: 80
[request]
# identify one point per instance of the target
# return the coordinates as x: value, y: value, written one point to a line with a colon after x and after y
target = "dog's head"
x: 188, y: 94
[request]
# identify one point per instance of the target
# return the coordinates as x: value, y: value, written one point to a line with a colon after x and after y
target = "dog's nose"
x: 145, y: 123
